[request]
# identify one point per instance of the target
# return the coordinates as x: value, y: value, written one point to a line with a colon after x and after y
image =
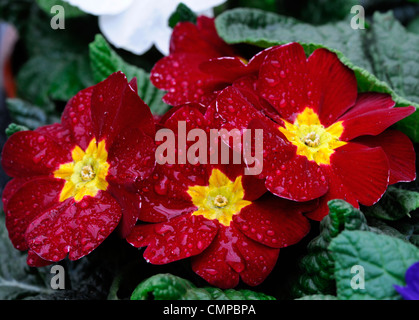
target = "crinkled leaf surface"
x: 169, y: 287
x: 385, y: 260
x: 318, y: 264
x: 394, y: 205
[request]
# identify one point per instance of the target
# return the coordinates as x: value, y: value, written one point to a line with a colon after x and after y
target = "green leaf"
x: 266, y: 29
x: 318, y: 264
x: 28, y: 115
x: 182, y: 13
x: 395, y: 60
x: 170, y: 287
x: 406, y: 228
x: 69, y: 10
x: 58, y: 65
x: 13, y: 128
x: 105, y: 61
x: 17, y: 280
x: 394, y: 205
x: 384, y: 259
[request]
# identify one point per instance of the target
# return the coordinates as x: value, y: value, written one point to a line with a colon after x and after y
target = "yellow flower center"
x: 312, y: 139
x: 86, y: 174
x: 221, y: 199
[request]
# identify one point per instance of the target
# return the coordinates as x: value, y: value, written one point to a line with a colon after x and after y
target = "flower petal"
x: 33, y: 260
x: 337, y: 190
x: 115, y: 106
x: 27, y: 203
x: 364, y: 171
x: 373, y: 122
x: 178, y: 238
x: 335, y: 87
x: 11, y: 188
x: 273, y: 221
x: 259, y: 261
x: 283, y: 80
x: 297, y: 179
x: 131, y: 157
x: 30, y: 153
x: 77, y: 118
x: 221, y: 262
x: 130, y: 204
x: 400, y: 154
x: 73, y: 228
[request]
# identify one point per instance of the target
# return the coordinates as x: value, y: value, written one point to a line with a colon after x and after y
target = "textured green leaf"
x: 406, y: 228
x: 394, y: 205
x: 170, y: 287
x: 58, y: 64
x: 395, y: 57
x: 384, y: 259
x: 318, y: 264
x: 13, y: 128
x: 105, y: 61
x: 17, y: 280
x: 181, y: 14
x: 265, y: 29
x: 28, y: 115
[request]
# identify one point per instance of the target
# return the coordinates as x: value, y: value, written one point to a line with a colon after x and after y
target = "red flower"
x: 200, y: 64
x: 214, y: 214
x: 71, y: 179
x: 321, y: 137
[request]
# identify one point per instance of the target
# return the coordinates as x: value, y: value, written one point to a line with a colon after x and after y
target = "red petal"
x: 231, y: 254
x: 201, y: 38
x: 337, y: 190
x: 28, y: 202
x: 178, y: 238
x: 179, y: 74
x: 59, y: 134
x: 283, y: 80
x: 130, y: 204
x: 272, y: 221
x: 335, y: 87
x: 116, y: 106
x: 226, y: 68
x: 73, y: 228
x: 29, y: 153
x: 297, y: 179
x: 77, y: 118
x: 259, y: 260
x: 400, y: 154
x: 11, y: 188
x: 131, y: 156
x: 369, y: 101
x: 221, y: 262
x: 364, y: 171
x: 373, y: 122
x: 33, y: 260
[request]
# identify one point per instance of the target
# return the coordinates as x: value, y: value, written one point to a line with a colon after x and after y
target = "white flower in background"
x: 135, y: 25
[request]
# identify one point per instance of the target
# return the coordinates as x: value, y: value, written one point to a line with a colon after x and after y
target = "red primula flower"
x: 72, y: 179
x: 321, y: 137
x: 200, y: 63
x: 214, y: 214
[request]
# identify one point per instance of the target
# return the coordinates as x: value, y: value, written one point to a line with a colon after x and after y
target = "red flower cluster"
x: 75, y: 182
